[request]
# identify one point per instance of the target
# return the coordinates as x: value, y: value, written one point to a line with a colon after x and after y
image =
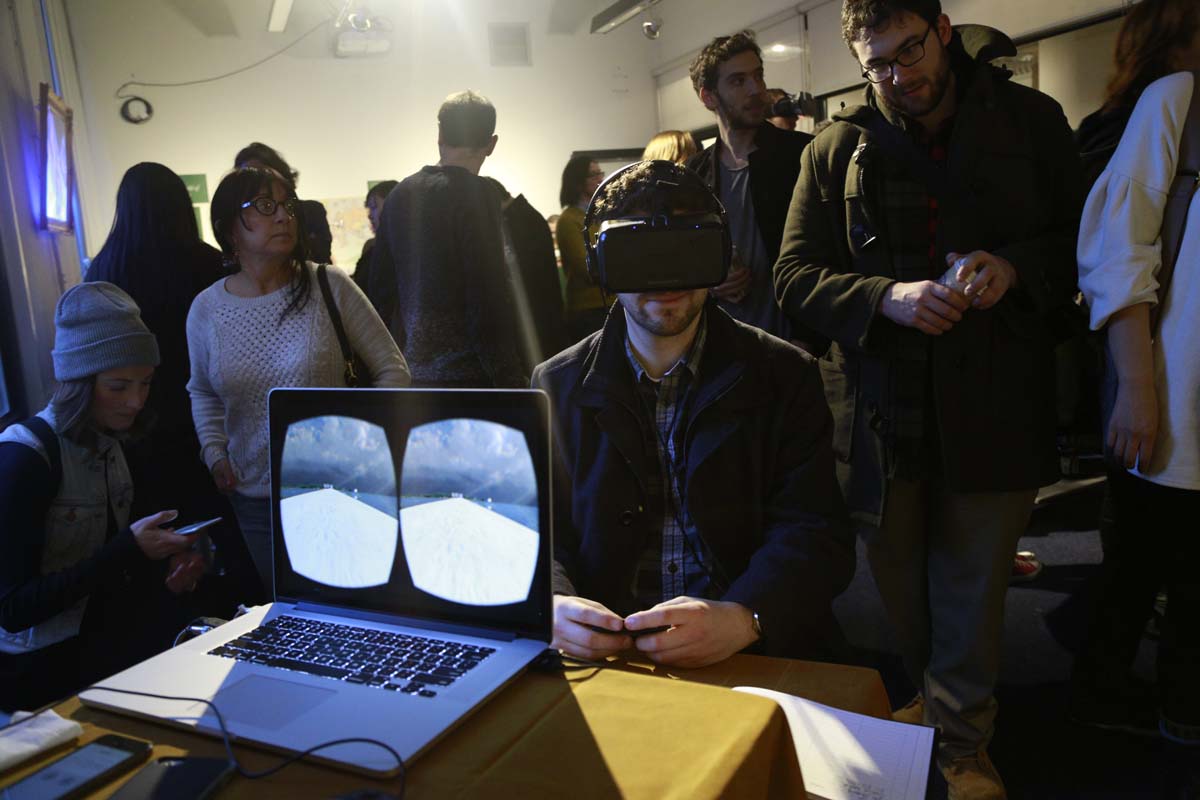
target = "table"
x: 631, y: 729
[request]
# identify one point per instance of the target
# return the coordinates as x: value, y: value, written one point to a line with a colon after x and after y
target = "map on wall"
x: 350, y: 228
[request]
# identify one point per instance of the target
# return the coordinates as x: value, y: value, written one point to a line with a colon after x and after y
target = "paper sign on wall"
x: 197, y: 186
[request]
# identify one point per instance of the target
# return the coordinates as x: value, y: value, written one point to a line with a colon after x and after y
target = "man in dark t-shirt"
x: 437, y: 274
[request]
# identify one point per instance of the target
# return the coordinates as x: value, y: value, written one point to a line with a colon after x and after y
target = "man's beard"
x: 917, y: 107
x: 671, y: 324
x: 741, y: 118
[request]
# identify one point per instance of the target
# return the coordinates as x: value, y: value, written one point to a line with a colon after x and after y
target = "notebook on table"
x: 412, y: 550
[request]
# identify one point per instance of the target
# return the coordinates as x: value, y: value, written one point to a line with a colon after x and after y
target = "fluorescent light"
x: 280, y: 11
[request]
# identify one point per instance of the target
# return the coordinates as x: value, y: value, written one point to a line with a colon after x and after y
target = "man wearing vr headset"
x: 697, y: 510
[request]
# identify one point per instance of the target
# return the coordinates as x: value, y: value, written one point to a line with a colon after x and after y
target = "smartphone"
x: 80, y: 771
x: 196, y: 527
x: 174, y: 778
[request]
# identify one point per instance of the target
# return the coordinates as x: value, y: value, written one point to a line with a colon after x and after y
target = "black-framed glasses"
x: 266, y: 205
x: 878, y: 73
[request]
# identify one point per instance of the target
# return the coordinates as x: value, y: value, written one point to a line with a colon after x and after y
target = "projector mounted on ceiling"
x: 618, y: 14
x: 360, y: 34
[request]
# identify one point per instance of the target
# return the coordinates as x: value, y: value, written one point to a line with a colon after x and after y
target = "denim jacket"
x: 76, y: 522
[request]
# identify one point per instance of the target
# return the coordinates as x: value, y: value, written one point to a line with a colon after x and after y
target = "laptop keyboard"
x: 394, y: 661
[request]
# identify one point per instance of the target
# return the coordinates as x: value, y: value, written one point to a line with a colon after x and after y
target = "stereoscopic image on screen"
x: 338, y: 501
x: 469, y: 512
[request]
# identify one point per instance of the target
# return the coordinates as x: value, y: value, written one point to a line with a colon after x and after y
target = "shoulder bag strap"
x: 49, y: 439
x: 350, y: 375
x: 1179, y: 200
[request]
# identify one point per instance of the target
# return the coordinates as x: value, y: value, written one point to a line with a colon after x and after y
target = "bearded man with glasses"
x: 930, y: 238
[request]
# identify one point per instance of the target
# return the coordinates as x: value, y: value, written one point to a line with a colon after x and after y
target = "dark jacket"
x: 1016, y: 176
x: 774, y: 168
x: 759, y: 482
x: 438, y: 280
x: 540, y: 317
x: 1097, y: 137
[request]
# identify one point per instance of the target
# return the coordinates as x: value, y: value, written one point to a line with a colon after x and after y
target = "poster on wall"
x: 350, y: 228
x: 58, y: 168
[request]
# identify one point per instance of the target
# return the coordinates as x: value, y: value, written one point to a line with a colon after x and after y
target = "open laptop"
x: 412, y: 553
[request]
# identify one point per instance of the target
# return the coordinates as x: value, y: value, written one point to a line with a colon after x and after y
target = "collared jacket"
x: 1016, y: 172
x: 759, y: 478
x: 51, y: 568
x: 774, y: 168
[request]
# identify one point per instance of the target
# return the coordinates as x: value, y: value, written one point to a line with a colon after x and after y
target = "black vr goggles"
x: 680, y: 242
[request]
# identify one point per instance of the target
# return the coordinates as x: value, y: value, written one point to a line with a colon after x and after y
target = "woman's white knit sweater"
x: 242, y: 347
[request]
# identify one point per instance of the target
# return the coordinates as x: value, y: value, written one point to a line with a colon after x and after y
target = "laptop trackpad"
x: 267, y: 702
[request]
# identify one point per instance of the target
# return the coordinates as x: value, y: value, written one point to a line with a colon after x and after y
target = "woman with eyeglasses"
x: 261, y: 328
x: 586, y: 303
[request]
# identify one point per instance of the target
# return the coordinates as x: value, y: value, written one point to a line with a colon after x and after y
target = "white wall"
x: 36, y: 265
x: 1074, y: 68
x: 342, y: 122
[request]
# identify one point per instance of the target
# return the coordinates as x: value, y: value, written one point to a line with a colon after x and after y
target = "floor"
x: 1038, y: 752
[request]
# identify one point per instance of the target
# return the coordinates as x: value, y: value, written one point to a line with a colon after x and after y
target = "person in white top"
x: 1154, y: 430
x: 267, y: 326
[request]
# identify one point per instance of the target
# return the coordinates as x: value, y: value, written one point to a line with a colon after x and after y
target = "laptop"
x: 412, y: 559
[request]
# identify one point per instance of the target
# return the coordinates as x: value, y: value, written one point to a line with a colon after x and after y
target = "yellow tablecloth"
x: 627, y: 730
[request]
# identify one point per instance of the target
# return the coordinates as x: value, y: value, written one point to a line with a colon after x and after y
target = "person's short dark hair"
x: 466, y: 119
x: 574, y: 177
x: 860, y: 16
x: 650, y: 185
x: 265, y: 154
x: 706, y: 66
x: 773, y: 97
x: 381, y: 190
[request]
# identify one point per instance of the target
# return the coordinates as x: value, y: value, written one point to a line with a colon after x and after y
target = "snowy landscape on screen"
x: 338, y: 502
x: 469, y: 511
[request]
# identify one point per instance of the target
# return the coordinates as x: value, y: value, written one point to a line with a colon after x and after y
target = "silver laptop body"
x: 412, y: 553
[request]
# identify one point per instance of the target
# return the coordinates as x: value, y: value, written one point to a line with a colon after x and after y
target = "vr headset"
x: 678, y: 243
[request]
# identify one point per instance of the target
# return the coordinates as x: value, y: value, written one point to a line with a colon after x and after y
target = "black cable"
x: 227, y: 740
x: 240, y: 70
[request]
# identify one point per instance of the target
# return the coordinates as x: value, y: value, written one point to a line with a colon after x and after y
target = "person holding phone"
x: 80, y: 584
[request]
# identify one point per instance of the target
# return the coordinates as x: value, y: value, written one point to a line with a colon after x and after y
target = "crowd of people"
x: 878, y: 361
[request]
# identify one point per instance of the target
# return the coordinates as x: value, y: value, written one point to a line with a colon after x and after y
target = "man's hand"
x: 993, y: 276
x: 156, y: 542
x: 184, y: 571
x: 702, y: 632
x: 734, y: 289
x: 1134, y: 423
x: 223, y: 476
x: 573, y: 615
x: 925, y: 305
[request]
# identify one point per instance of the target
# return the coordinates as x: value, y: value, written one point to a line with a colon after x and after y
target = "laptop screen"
x: 423, y: 503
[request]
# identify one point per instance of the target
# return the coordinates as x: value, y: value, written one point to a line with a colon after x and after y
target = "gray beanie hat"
x: 98, y: 327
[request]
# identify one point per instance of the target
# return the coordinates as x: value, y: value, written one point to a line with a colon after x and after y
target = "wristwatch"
x: 756, y: 624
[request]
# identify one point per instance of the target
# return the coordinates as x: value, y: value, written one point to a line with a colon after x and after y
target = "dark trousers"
x: 1154, y: 541
x: 941, y: 561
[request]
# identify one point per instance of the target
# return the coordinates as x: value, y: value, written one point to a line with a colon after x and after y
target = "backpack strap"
x: 335, y: 316
x: 49, y: 439
x: 1179, y: 200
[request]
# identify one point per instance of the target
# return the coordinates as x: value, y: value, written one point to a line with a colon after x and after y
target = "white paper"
x: 22, y: 742
x: 848, y: 756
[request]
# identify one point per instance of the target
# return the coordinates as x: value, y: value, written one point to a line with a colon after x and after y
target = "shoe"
x: 1132, y: 710
x: 913, y: 713
x: 1180, y: 733
x: 1025, y: 567
x: 972, y: 777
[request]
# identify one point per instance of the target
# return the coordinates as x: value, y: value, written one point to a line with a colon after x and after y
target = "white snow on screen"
x: 337, y: 540
x: 464, y: 553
